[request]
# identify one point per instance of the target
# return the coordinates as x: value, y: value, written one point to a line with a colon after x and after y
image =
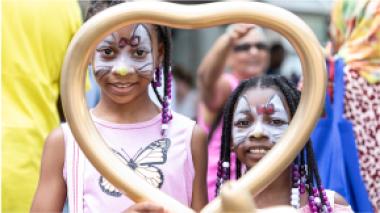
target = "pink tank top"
x: 214, y: 146
x: 164, y: 163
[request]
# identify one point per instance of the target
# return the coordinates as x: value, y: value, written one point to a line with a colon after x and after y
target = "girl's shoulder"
x: 181, y: 128
x: 55, y: 140
x: 66, y: 132
x: 338, y: 204
x: 182, y: 120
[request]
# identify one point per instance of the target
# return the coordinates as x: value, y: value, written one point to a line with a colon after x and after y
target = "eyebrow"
x: 108, y: 42
x: 244, y: 111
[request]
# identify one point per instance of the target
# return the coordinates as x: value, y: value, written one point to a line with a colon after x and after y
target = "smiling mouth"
x: 122, y: 88
x: 255, y: 150
x: 122, y: 85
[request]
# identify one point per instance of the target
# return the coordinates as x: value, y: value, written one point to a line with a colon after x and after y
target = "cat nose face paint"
x: 122, y: 70
x: 253, y: 122
x: 126, y: 51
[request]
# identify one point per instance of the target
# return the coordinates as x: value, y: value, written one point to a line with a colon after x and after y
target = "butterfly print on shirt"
x: 143, y: 163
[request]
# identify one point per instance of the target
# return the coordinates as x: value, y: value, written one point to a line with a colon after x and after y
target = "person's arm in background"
x: 199, y: 155
x: 214, y: 89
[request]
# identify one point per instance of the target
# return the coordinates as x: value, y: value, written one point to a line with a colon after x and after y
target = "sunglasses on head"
x: 247, y: 46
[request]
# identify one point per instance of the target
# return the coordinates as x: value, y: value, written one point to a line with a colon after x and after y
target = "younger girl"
x: 256, y: 116
x: 164, y: 148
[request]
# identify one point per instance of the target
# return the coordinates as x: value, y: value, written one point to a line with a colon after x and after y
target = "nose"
x: 257, y: 133
x: 253, y: 50
x: 121, y: 68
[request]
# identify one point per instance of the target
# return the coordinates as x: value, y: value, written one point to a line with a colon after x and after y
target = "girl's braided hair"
x: 292, y: 97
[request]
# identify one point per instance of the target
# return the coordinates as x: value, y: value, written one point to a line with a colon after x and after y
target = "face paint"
x: 123, y: 55
x: 122, y: 71
x: 269, y: 120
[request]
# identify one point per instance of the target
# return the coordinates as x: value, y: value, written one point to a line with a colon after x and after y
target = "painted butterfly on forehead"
x: 133, y: 41
x: 266, y: 109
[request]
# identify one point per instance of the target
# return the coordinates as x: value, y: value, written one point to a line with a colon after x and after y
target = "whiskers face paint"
x: 126, y: 51
x: 263, y: 120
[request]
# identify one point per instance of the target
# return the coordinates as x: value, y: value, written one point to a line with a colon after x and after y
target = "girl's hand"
x: 237, y: 31
x: 145, y: 207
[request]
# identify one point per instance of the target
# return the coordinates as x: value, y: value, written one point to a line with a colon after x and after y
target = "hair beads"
x: 305, y: 177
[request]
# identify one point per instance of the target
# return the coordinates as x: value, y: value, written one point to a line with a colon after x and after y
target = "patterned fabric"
x: 362, y: 108
x: 355, y: 32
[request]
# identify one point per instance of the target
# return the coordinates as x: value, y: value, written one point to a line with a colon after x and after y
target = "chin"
x: 250, y: 165
x: 123, y: 100
x: 252, y: 73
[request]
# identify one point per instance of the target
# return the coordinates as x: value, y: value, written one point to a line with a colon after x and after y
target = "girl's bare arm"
x: 51, y: 191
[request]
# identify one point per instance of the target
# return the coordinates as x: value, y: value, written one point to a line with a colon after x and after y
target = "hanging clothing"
x: 35, y: 35
x: 355, y: 35
x: 362, y: 108
x: 355, y: 32
x: 335, y: 148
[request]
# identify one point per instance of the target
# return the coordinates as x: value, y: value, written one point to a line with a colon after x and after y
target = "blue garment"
x: 93, y: 95
x: 335, y: 149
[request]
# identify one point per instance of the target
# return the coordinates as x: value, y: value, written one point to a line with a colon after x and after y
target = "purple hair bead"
x: 302, y: 188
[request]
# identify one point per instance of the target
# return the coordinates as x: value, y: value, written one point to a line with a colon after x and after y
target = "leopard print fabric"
x: 362, y: 108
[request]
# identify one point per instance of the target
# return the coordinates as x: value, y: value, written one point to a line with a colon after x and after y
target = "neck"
x: 240, y: 76
x: 277, y: 193
x: 139, y: 109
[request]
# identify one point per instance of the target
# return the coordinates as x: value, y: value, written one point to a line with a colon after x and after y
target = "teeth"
x: 121, y: 85
x: 258, y: 151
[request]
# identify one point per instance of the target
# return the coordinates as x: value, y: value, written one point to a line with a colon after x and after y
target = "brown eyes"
x: 106, y: 52
x: 242, y: 123
x: 140, y: 53
x: 277, y: 122
x: 109, y: 53
x: 246, y: 123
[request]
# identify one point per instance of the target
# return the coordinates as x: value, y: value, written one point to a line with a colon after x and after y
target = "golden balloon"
x: 192, y: 17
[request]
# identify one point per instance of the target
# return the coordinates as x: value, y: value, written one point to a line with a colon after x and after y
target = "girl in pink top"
x: 255, y: 117
x: 165, y: 149
x: 243, y: 49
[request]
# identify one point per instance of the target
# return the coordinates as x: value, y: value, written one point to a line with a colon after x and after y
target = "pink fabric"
x: 337, y: 208
x: 130, y: 139
x: 214, y: 146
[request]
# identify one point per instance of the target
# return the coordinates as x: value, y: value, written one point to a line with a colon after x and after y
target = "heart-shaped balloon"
x: 191, y: 17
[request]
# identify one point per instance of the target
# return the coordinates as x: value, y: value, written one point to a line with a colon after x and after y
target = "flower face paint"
x: 128, y: 50
x: 268, y: 120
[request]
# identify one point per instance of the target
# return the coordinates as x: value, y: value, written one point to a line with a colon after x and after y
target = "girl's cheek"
x: 275, y: 133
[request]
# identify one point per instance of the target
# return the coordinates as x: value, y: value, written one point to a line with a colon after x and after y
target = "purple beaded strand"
x: 157, y: 79
x: 166, y: 113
